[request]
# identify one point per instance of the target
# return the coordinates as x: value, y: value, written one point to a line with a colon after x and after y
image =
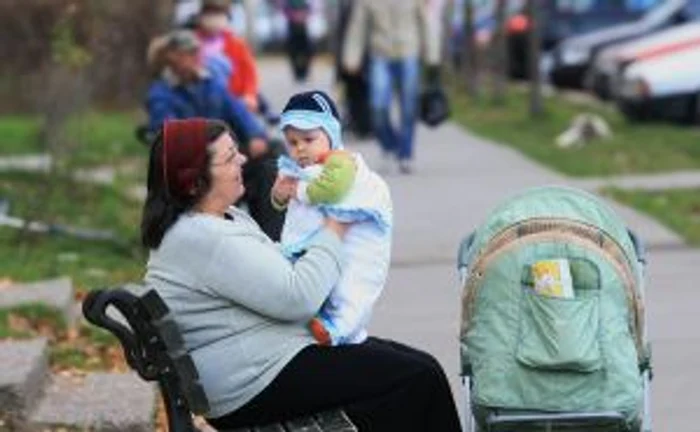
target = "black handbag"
x: 434, y: 106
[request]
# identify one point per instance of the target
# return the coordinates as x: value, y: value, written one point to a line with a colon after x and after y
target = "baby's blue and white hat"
x: 313, y: 110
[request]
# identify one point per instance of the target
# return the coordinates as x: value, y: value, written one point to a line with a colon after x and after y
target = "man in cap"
x: 186, y: 89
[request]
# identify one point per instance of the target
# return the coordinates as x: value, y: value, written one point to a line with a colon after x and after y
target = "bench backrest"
x: 154, y: 348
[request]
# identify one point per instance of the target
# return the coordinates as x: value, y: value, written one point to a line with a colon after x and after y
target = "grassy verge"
x: 91, y: 264
x: 678, y: 209
x: 80, y: 349
x: 96, y: 138
x: 30, y: 320
x: 634, y: 148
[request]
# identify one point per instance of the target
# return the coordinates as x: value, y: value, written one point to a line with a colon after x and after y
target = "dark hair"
x: 307, y: 101
x: 162, y: 209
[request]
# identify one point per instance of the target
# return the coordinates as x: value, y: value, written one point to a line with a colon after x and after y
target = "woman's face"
x: 226, y: 174
x: 214, y: 21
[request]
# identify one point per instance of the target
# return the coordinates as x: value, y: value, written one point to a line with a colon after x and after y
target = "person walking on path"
x: 398, y: 32
x: 354, y: 88
x: 299, y: 44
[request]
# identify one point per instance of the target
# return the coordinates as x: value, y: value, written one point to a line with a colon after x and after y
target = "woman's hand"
x: 284, y: 189
x: 340, y: 228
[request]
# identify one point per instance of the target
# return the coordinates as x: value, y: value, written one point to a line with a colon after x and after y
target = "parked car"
x: 565, y: 18
x: 607, y: 67
x: 664, y: 87
x: 573, y: 56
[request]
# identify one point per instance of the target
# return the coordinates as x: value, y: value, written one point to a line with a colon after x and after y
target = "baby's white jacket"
x: 367, y: 246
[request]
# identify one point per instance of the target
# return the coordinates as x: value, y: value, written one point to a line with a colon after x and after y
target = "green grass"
x: 19, y: 134
x: 634, y: 148
x: 88, y: 348
x: 96, y: 138
x: 26, y: 321
x: 91, y: 264
x: 678, y: 209
x: 91, y: 348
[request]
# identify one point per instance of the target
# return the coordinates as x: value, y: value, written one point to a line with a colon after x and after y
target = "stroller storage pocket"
x: 559, y: 333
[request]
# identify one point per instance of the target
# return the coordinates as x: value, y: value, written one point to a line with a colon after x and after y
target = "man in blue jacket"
x: 186, y: 88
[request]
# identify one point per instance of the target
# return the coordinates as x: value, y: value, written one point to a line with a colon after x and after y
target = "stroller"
x: 552, y: 332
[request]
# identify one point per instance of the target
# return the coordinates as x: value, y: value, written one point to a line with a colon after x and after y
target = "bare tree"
x: 534, y: 54
x: 499, y: 55
x: 470, y: 57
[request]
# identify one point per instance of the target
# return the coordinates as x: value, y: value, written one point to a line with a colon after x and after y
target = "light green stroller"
x: 552, y: 332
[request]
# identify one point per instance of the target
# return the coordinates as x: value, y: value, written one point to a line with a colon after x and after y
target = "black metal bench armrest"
x: 147, y: 352
x: 95, y: 311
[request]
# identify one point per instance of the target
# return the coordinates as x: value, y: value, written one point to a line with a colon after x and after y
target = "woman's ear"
x: 197, y: 187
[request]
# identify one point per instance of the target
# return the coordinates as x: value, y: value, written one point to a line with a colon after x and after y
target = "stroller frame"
x: 550, y: 422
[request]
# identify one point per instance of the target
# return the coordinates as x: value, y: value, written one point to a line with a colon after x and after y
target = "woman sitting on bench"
x: 242, y: 306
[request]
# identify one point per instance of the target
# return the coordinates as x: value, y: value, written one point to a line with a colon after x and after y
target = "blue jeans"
x: 385, y: 75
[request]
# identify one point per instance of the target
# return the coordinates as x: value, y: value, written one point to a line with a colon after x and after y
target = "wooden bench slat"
x: 303, y: 424
x: 335, y: 421
x: 269, y: 428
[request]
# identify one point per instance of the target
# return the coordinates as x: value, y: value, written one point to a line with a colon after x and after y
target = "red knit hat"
x: 184, y: 154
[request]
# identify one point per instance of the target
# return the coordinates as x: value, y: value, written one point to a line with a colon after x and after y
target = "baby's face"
x: 306, y: 146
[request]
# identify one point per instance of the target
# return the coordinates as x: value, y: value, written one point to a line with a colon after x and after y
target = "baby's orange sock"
x: 319, y: 332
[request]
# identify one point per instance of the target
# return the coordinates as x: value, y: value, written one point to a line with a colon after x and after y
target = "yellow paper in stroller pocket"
x: 552, y: 278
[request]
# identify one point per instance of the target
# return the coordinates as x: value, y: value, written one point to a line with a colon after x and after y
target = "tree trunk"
x: 499, y: 55
x: 534, y: 54
x: 446, y: 32
x: 164, y: 15
x: 470, y: 58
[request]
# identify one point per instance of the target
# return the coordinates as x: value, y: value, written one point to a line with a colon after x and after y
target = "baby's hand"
x: 284, y: 189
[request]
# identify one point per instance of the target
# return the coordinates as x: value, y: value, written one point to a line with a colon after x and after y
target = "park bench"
x: 154, y: 348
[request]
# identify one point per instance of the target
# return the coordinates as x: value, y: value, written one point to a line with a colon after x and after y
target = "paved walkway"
x: 459, y: 179
x: 650, y: 182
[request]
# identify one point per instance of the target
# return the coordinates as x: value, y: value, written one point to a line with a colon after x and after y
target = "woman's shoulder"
x: 198, y: 227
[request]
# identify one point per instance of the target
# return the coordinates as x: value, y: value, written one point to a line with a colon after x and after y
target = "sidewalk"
x: 651, y: 182
x: 459, y: 179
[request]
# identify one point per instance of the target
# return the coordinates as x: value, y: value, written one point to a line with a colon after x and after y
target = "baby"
x: 321, y: 179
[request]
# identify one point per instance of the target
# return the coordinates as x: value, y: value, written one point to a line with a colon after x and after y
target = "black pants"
x: 357, y: 103
x: 381, y: 385
x: 299, y: 49
x: 259, y: 176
